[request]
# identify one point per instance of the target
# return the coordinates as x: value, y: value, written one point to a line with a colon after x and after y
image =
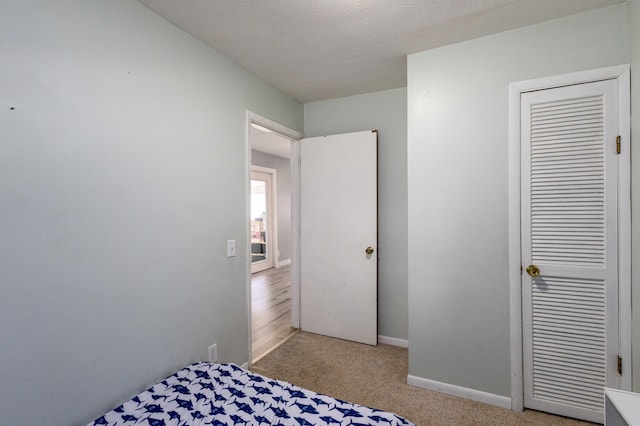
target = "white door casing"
x: 338, y: 222
x: 570, y: 324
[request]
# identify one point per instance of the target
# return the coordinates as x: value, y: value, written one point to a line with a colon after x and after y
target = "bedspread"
x: 225, y: 395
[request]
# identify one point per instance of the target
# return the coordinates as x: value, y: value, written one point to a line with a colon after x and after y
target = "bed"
x: 225, y: 394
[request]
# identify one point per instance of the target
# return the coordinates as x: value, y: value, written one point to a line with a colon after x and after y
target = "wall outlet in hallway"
x: 213, y: 353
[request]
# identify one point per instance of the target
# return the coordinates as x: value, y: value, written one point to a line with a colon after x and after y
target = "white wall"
x: 387, y: 112
x: 634, y: 27
x: 457, y: 186
x: 122, y: 174
x: 283, y: 190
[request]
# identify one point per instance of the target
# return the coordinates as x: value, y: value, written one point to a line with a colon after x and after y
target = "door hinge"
x: 618, y: 145
x: 619, y: 365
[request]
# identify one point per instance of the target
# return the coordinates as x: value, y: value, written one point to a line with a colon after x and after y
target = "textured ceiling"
x: 321, y: 49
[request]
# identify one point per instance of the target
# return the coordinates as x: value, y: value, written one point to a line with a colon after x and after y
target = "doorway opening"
x: 272, y: 291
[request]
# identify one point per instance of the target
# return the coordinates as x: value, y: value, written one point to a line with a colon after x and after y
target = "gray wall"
x: 634, y: 27
x: 283, y: 189
x: 458, y: 180
x: 387, y: 112
x: 122, y: 175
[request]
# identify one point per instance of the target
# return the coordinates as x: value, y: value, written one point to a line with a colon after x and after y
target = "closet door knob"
x: 533, y: 270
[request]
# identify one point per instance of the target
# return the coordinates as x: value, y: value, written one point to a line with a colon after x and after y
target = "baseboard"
x: 245, y: 365
x: 285, y: 262
x: 385, y: 340
x: 459, y: 391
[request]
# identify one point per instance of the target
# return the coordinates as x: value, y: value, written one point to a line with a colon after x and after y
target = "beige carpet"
x: 376, y: 377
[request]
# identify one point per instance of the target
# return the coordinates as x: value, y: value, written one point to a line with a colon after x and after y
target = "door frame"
x: 621, y: 73
x: 293, y: 136
x: 272, y: 216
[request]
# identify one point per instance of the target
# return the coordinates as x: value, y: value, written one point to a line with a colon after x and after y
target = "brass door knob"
x: 369, y: 250
x: 533, y: 270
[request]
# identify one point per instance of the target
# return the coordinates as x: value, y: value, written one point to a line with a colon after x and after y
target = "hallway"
x: 271, y: 310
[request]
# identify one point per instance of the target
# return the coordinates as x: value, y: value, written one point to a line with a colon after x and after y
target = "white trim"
x: 515, y: 271
x: 292, y: 135
x: 461, y: 392
x: 286, y: 132
x: 607, y: 73
x: 244, y: 365
x: 285, y: 262
x: 295, y: 234
x: 621, y: 73
x: 261, y: 169
x: 624, y: 224
x: 393, y: 341
x: 247, y: 230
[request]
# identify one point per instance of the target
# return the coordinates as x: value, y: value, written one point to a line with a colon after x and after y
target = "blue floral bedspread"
x: 225, y: 394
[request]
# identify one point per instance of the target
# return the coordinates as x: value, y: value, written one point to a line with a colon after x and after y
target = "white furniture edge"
x: 626, y: 404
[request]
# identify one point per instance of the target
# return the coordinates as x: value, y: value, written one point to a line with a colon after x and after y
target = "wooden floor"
x: 270, y: 310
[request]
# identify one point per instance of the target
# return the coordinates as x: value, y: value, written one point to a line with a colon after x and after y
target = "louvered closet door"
x: 569, y: 227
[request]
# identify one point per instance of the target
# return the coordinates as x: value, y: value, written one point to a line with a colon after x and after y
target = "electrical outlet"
x: 213, y: 353
x: 231, y: 248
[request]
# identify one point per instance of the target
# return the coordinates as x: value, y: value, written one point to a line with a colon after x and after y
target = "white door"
x: 262, y: 221
x: 338, y: 236
x: 570, y: 238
